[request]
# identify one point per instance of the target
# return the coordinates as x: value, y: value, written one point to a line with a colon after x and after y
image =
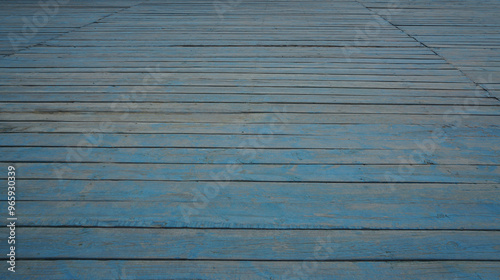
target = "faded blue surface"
x: 252, y: 139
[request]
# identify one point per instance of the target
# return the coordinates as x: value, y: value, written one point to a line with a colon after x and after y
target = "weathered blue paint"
x: 277, y: 140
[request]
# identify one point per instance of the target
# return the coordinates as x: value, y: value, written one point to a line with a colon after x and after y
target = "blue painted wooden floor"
x: 350, y: 139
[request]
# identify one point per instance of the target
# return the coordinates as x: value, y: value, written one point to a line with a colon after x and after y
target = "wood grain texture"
x: 129, y: 269
x: 465, y: 34
x: 281, y: 212
x: 350, y: 139
x: 217, y: 244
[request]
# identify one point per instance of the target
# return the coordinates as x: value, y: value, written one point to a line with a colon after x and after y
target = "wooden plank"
x: 106, y: 190
x: 313, y: 78
x: 266, y: 172
x: 235, y: 244
x: 245, y: 98
x: 343, y: 62
x: 269, y: 205
x: 248, y: 81
x: 353, y: 130
x: 439, y: 156
x: 305, y: 71
x: 313, y: 269
x: 153, y: 107
x: 249, y: 118
x: 93, y: 138
x: 257, y: 90
x: 193, y: 213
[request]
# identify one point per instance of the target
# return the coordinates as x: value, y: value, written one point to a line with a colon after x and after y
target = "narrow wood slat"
x: 426, y: 143
x: 353, y: 130
x: 246, y: 98
x: 249, y: 118
x: 442, y: 155
x: 217, y: 244
x: 265, y: 172
x: 269, y: 205
x: 164, y: 108
x: 313, y: 269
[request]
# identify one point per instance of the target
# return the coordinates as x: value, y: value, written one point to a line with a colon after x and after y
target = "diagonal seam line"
x: 67, y: 32
x: 488, y: 94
